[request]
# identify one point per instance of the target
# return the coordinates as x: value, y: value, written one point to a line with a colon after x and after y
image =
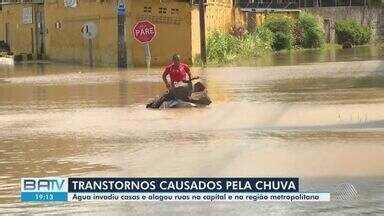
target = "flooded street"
x: 322, y: 122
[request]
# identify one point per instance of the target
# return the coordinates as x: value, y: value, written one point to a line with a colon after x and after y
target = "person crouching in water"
x: 179, y: 73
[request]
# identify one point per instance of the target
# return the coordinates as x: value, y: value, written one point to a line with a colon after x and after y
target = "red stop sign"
x: 144, y: 31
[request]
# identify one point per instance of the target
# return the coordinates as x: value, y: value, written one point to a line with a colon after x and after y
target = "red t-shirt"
x: 177, y: 74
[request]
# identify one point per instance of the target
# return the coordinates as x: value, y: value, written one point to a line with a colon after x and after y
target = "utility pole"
x: 121, y: 41
x: 203, y: 49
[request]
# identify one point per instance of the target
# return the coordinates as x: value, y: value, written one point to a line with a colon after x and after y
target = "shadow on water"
x: 40, y: 156
x: 324, y: 89
x: 4, y: 81
x: 327, y: 54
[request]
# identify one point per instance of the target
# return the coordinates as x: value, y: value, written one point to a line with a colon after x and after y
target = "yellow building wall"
x: 2, y: 27
x: 239, y: 18
x: 220, y: 15
x: 195, y: 34
x: 260, y: 19
x: 66, y: 44
x: 177, y: 25
x: 20, y: 36
x: 173, y: 26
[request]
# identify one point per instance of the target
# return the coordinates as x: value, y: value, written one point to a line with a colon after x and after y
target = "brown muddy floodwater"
x: 323, y: 122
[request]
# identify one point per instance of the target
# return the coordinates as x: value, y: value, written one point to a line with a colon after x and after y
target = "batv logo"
x: 44, y: 185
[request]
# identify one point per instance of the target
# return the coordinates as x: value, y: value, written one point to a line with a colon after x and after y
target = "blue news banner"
x: 166, y: 189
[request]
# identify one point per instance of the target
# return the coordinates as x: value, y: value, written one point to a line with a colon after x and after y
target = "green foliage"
x: 255, y: 44
x: 266, y: 36
x: 282, y: 41
x: 279, y: 23
x: 226, y: 48
x: 248, y: 46
x: 310, y: 32
x: 221, y: 47
x: 282, y: 27
x: 280, y: 32
x: 351, y: 32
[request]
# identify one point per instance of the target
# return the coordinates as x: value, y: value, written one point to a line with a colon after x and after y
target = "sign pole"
x: 144, y: 31
x: 203, y: 52
x: 89, y: 32
x: 147, y: 55
x: 121, y: 41
x: 90, y: 52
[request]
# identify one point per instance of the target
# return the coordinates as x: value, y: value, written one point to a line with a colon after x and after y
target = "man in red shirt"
x: 178, y: 72
x: 177, y: 88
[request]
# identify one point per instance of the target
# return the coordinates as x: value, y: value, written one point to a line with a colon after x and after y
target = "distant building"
x: 296, y: 4
x: 51, y: 29
x: 367, y: 12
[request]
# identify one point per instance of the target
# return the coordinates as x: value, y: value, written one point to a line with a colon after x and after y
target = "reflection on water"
x: 328, y: 54
x: 323, y: 122
x: 40, y: 156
